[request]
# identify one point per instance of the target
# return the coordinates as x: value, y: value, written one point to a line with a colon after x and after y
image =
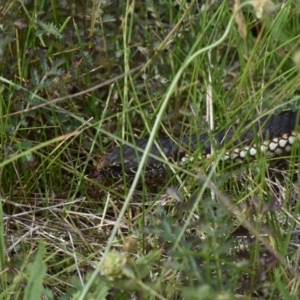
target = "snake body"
x: 272, y: 135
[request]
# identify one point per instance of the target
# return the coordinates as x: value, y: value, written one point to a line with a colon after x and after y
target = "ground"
x: 78, y: 79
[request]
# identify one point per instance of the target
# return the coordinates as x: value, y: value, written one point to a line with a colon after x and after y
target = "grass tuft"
x: 78, y: 79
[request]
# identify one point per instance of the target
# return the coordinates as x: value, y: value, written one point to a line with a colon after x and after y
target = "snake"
x: 271, y: 135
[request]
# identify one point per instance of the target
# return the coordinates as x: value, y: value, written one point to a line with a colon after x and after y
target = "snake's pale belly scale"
x: 271, y: 135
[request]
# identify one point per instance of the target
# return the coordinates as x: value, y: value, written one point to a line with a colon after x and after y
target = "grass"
x: 76, y: 80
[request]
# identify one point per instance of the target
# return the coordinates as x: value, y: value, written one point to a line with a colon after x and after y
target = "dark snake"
x: 271, y: 135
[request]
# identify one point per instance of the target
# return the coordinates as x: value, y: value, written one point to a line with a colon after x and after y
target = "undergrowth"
x: 78, y: 79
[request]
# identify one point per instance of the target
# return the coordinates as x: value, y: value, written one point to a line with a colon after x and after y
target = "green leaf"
x: 2, y: 248
x: 34, y: 77
x: 102, y: 290
x: 34, y: 287
x: 49, y: 28
x: 143, y: 263
x: 26, y: 144
x: 87, y: 58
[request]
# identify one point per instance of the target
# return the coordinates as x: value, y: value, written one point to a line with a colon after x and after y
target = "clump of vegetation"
x: 77, y: 79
